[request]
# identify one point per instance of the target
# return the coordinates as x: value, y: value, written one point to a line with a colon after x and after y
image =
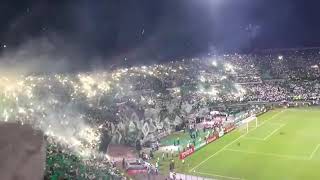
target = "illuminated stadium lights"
x: 213, y: 91
x: 5, y: 115
x: 223, y: 78
x: 21, y: 110
x: 229, y: 67
x: 201, y: 90
x: 240, y: 90
x: 104, y: 86
x: 202, y: 79
x: 214, y: 63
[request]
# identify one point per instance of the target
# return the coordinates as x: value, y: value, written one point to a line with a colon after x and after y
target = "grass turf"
x: 285, y: 145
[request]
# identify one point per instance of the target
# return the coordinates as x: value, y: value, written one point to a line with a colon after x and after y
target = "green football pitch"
x: 285, y: 145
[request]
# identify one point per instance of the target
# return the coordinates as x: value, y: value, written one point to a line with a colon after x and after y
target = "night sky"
x: 142, y: 31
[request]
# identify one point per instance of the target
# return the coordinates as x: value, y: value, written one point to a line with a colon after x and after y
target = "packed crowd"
x: 63, y: 164
x: 87, y: 111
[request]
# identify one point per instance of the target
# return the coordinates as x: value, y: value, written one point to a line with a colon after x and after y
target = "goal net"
x: 248, y: 124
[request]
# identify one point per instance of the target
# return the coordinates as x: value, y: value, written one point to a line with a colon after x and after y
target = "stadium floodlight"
x: 214, y: 63
x: 229, y: 67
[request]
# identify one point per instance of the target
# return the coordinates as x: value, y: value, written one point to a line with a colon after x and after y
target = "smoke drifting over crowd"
x: 119, y: 32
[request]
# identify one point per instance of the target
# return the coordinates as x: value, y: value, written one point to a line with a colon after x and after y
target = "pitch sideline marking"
x: 270, y: 154
x: 314, y: 151
x: 216, y: 153
x: 217, y: 175
x: 224, y: 147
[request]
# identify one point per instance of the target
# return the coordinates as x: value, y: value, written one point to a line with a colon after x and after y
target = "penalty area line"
x: 229, y: 144
x: 314, y: 151
x: 273, y: 132
x: 214, y: 154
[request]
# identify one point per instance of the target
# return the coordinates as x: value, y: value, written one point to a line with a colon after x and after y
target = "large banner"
x: 229, y: 129
x: 187, y: 153
x: 212, y: 138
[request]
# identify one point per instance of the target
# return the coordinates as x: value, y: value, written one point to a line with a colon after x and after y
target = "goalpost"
x: 248, y: 121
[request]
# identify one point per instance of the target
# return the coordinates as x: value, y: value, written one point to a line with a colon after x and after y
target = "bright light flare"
x: 214, y: 63
x: 202, y: 79
x: 229, y: 67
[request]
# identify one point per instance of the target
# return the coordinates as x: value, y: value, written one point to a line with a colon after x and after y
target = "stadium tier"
x: 170, y: 108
